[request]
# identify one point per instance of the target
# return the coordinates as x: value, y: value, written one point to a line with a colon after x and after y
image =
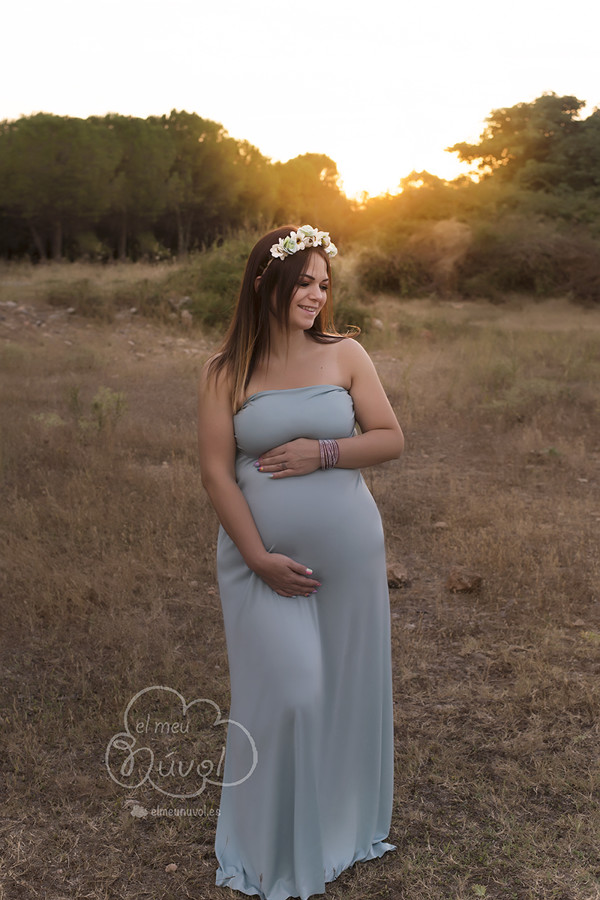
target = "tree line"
x: 122, y: 187
x: 118, y: 186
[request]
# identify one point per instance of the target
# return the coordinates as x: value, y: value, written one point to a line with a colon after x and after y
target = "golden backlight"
x: 381, y: 88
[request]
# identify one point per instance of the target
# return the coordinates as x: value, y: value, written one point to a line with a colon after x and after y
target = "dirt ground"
x: 108, y: 584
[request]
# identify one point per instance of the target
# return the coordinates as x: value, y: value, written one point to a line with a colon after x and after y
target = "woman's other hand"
x: 297, y: 457
x: 285, y: 576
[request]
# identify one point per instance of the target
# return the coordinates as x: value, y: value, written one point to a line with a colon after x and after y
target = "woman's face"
x: 310, y: 294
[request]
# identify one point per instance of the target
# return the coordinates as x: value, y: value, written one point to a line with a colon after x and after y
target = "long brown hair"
x: 248, y: 337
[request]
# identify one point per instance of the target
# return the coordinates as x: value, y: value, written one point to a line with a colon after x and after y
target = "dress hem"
x: 238, y: 881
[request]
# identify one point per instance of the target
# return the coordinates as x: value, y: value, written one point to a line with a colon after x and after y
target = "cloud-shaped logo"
x: 138, y: 811
x: 175, y: 747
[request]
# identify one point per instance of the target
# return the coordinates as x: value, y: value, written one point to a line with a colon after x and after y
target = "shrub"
x: 345, y: 315
x: 529, y: 256
x: 212, y: 279
x: 512, y: 256
x: 394, y: 272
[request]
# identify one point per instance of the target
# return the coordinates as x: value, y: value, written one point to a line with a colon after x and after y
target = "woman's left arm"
x: 381, y: 438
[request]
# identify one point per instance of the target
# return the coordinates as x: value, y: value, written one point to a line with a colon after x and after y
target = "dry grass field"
x: 108, y: 586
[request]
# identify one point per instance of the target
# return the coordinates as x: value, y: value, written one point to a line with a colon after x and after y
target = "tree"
x: 53, y: 175
x: 308, y: 191
x: 533, y: 135
x: 202, y: 189
x: 138, y: 189
x: 255, y: 187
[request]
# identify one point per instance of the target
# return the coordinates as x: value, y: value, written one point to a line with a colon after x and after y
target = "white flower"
x: 278, y: 251
x: 307, y: 231
x: 305, y: 237
x: 290, y: 245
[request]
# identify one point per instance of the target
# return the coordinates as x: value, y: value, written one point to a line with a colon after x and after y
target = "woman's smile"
x: 311, y: 291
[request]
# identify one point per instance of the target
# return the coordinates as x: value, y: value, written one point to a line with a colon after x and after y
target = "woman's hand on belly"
x: 297, y: 457
x: 285, y: 576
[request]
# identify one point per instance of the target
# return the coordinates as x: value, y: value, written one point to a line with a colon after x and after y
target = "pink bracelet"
x: 330, y: 453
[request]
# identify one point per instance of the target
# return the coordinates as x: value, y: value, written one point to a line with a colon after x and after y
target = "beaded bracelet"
x: 330, y: 453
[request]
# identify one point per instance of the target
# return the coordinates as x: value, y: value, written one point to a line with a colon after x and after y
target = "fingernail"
x: 309, y: 571
x: 314, y: 592
x: 257, y: 464
x: 260, y: 468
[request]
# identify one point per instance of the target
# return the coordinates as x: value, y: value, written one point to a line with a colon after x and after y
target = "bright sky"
x: 380, y: 87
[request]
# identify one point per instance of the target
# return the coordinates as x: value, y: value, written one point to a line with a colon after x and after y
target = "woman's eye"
x: 322, y: 287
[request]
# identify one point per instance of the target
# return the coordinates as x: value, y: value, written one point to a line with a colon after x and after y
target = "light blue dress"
x: 310, y: 676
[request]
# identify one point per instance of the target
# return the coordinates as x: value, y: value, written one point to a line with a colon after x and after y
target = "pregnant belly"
x: 321, y: 516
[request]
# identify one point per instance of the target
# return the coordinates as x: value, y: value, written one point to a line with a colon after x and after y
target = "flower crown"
x: 302, y: 239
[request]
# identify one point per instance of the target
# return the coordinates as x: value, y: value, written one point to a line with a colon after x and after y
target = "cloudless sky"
x: 380, y: 87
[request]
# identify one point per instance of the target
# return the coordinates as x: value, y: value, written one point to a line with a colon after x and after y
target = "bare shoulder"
x: 209, y: 368
x: 351, y: 349
x: 213, y: 381
x: 209, y: 364
x: 353, y: 357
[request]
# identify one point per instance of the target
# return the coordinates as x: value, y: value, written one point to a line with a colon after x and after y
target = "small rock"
x: 463, y: 580
x: 439, y: 526
x: 397, y: 576
x: 377, y: 323
x: 186, y: 317
x: 172, y: 867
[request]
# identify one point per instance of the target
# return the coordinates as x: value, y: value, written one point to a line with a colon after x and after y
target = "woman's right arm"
x: 216, y: 443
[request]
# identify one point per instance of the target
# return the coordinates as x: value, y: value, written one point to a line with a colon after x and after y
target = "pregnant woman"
x: 302, y: 578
